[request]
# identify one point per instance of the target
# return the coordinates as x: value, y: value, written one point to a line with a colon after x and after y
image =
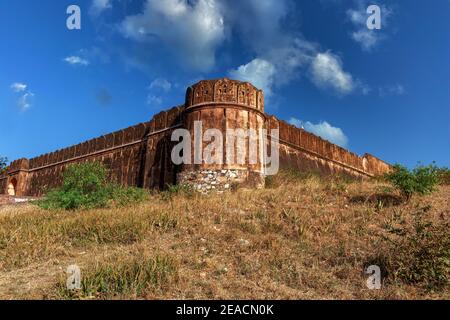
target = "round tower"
x: 225, y: 119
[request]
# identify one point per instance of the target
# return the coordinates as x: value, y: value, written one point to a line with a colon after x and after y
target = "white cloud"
x: 358, y: 16
x: 18, y: 87
x: 327, y: 72
x: 76, y: 60
x: 285, y: 54
x: 86, y: 56
x: 258, y: 72
x: 157, y: 90
x: 192, y: 29
x: 154, y: 100
x: 24, y: 102
x: 277, y: 66
x: 391, y: 90
x: 278, y: 50
x: 195, y: 30
x: 98, y: 6
x: 161, y: 84
x: 367, y: 39
x: 285, y: 63
x: 323, y: 129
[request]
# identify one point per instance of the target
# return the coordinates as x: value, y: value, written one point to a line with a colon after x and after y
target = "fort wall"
x: 225, y: 105
x: 304, y: 151
x: 141, y: 155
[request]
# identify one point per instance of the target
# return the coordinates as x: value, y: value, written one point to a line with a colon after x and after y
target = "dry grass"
x: 301, y: 238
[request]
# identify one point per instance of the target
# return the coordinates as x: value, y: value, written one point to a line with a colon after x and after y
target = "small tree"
x: 85, y: 186
x: 420, y: 180
x: 3, y: 164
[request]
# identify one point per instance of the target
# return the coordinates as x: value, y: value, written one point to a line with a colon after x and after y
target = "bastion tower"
x: 235, y: 110
x: 142, y: 155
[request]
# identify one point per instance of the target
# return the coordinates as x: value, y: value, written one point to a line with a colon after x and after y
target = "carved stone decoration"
x: 203, y: 92
x: 243, y: 93
x: 260, y: 101
x: 252, y: 97
x: 225, y: 90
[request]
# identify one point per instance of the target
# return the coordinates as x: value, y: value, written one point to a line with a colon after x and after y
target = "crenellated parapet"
x: 18, y: 165
x: 226, y: 106
x: 221, y: 110
x: 15, y: 180
x: 225, y: 91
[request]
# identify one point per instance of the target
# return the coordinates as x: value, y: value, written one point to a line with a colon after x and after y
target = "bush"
x: 421, y: 180
x: 417, y: 254
x: 3, y: 164
x: 85, y: 186
x: 122, y: 196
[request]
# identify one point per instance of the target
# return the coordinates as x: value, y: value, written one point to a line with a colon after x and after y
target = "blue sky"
x: 386, y: 92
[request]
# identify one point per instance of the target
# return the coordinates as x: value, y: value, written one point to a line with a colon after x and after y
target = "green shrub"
x: 3, y: 164
x: 85, y: 186
x: 122, y: 196
x: 420, y: 180
x: 417, y: 254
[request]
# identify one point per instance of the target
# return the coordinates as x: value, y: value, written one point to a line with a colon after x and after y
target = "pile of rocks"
x: 206, y: 181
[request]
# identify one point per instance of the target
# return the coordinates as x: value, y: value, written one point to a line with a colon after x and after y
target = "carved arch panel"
x: 225, y: 91
x: 203, y: 92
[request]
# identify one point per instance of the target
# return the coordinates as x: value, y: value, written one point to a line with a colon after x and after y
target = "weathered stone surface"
x: 140, y: 155
x: 218, y: 180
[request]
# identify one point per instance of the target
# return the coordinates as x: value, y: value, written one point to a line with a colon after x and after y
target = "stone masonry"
x: 141, y: 155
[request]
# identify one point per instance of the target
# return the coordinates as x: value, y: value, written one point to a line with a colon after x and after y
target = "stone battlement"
x: 224, y: 91
x: 141, y: 155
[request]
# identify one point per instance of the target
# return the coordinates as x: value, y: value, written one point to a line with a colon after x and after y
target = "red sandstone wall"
x: 225, y: 104
x: 159, y: 169
x: 140, y: 155
x: 3, y: 184
x: 123, y: 152
x: 120, y: 151
x: 16, y: 175
x: 307, y: 152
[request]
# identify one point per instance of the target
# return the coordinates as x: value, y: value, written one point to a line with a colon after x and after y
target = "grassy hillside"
x: 301, y: 238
